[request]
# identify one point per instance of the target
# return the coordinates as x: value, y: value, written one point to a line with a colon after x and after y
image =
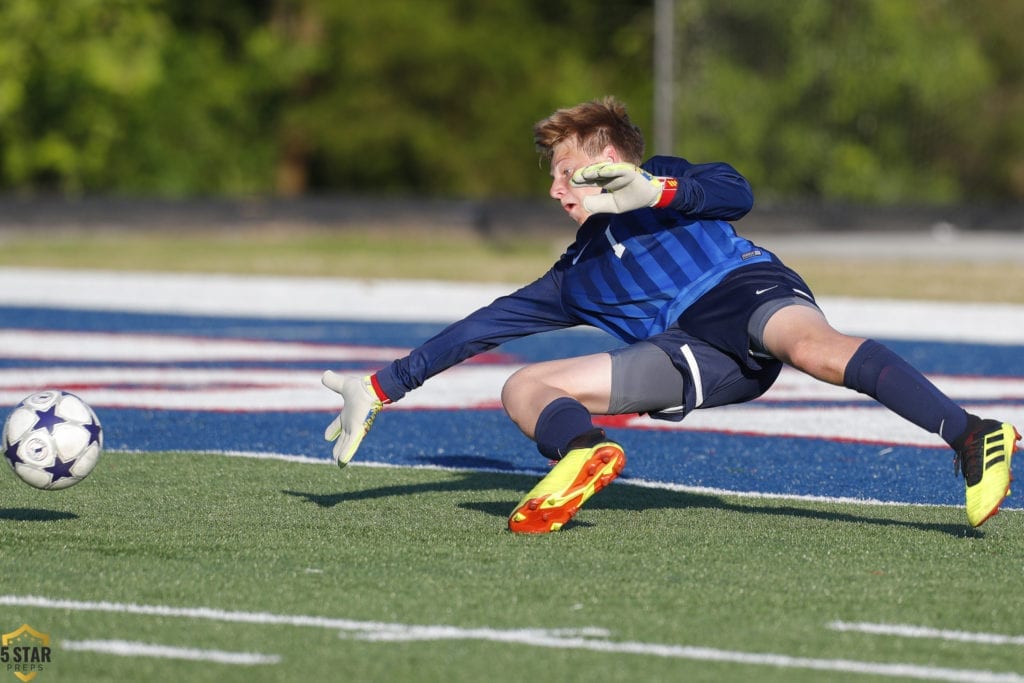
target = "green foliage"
x: 867, y: 101
x: 863, y: 100
x: 69, y: 75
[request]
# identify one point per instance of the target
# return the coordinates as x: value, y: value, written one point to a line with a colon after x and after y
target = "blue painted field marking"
x: 248, y: 381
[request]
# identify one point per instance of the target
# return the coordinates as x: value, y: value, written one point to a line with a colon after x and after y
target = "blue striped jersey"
x: 631, y: 274
x: 634, y: 274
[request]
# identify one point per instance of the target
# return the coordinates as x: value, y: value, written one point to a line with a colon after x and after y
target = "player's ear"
x: 609, y: 153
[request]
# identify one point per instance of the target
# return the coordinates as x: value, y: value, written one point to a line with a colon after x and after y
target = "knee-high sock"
x: 561, y: 423
x: 881, y: 374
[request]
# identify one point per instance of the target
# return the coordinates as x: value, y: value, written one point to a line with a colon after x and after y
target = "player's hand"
x: 356, y: 417
x: 626, y: 187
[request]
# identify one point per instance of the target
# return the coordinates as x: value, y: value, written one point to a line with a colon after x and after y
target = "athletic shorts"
x: 714, y: 353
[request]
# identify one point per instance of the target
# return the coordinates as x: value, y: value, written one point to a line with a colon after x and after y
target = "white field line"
x: 125, y: 648
x: 1008, y: 505
x: 434, y: 301
x: 705, y: 654
x: 136, y: 347
x: 910, y: 631
x: 264, y: 618
x: 569, y: 639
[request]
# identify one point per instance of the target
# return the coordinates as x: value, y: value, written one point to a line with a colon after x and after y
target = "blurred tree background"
x: 870, y: 101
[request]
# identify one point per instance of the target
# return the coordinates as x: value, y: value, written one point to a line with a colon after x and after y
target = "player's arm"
x: 529, y: 310
x: 534, y: 308
x: 715, y: 191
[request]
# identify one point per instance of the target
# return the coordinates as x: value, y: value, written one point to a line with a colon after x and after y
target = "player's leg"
x: 552, y: 403
x: 800, y: 336
x: 584, y: 380
x: 665, y: 377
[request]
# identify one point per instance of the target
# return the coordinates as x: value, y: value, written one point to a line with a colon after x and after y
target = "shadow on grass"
x: 34, y: 515
x: 462, y: 481
x: 616, y: 497
x: 638, y: 499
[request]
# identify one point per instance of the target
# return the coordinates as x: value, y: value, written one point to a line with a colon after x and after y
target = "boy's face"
x: 568, y: 158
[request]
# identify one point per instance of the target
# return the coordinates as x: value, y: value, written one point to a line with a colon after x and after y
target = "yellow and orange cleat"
x: 559, y: 495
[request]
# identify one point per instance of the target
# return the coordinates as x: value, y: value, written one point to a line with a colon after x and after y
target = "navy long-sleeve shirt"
x: 630, y: 274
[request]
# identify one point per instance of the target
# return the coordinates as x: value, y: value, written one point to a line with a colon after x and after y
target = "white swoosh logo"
x: 759, y: 292
x: 580, y: 253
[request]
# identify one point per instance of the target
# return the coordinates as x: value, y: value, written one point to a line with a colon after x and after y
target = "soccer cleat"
x: 558, y: 496
x: 984, y: 460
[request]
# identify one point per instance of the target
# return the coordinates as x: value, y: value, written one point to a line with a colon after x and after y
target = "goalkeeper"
x: 707, y: 317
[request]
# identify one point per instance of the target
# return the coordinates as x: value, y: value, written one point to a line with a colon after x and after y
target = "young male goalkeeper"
x: 708, y: 319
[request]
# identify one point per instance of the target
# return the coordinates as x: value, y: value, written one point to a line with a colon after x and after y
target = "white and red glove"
x: 363, y: 401
x: 626, y: 187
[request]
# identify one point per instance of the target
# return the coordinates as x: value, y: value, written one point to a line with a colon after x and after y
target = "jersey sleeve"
x: 530, y: 310
x: 714, y: 191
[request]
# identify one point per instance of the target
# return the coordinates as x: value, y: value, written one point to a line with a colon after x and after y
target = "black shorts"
x: 714, y: 354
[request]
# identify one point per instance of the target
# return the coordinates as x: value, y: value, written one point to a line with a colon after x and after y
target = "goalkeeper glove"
x: 362, y: 403
x: 626, y: 187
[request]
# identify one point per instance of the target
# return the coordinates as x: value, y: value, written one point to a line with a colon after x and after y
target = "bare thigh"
x: 801, y: 336
x: 588, y: 379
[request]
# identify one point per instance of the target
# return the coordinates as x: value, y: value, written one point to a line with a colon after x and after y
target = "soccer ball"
x: 52, y: 439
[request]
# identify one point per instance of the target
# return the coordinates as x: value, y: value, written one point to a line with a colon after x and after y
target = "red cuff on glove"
x: 668, y: 192
x: 381, y: 396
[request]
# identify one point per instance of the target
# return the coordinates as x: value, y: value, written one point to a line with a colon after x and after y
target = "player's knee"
x: 519, y: 398
x: 803, y: 354
x: 823, y: 358
x: 514, y: 391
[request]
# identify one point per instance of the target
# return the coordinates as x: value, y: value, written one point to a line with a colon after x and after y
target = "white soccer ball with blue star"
x: 52, y: 439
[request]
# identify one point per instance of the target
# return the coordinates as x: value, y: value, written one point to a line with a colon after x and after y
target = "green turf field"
x: 301, y: 571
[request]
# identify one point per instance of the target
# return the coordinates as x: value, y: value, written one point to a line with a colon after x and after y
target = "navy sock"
x: 881, y: 374
x: 560, y: 423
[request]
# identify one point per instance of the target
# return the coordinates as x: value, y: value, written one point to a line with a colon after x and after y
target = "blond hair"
x: 592, y: 126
